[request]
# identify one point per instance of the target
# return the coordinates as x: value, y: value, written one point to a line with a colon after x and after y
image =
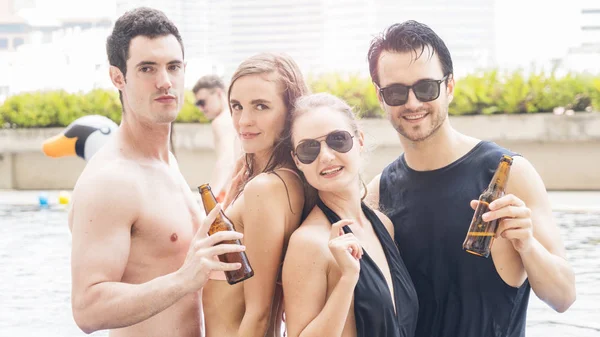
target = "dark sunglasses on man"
x: 308, y: 150
x: 424, y: 90
x: 200, y: 103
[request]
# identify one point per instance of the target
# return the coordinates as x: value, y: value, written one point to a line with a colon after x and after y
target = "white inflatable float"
x: 82, y: 138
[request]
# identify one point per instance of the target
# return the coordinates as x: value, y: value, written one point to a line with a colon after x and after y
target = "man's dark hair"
x: 142, y: 21
x: 208, y: 82
x: 409, y: 36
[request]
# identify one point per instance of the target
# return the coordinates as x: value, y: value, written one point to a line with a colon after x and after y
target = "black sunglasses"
x: 308, y: 150
x: 200, y: 103
x: 425, y: 91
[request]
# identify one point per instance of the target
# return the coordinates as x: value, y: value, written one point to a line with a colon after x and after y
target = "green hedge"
x: 490, y: 92
x: 513, y: 93
x: 359, y: 92
x: 59, y: 108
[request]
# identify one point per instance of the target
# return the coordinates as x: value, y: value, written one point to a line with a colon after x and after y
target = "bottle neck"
x: 500, y: 179
x: 208, y: 199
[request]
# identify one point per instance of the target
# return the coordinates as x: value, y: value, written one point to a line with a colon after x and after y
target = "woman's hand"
x: 346, y: 249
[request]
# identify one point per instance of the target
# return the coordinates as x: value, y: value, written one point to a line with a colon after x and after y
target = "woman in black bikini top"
x: 343, y: 274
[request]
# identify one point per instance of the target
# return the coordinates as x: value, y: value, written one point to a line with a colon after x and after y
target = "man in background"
x: 211, y: 99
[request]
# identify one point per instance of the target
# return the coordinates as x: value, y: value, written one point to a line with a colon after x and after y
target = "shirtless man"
x: 211, y: 99
x: 140, y: 252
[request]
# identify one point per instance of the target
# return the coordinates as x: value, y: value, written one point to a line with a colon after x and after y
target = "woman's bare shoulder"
x: 270, y: 182
x: 280, y: 189
x: 314, y: 231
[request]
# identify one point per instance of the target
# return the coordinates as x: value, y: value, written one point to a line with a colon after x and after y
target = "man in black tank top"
x: 430, y: 193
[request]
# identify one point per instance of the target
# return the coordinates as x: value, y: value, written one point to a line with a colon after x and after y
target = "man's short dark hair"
x: 409, y: 36
x: 208, y: 82
x: 142, y: 21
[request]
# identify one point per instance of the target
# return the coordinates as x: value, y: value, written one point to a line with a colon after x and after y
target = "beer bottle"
x: 222, y: 223
x: 481, y: 233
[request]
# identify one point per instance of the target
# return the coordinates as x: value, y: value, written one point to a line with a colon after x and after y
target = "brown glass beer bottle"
x: 481, y: 233
x: 222, y: 223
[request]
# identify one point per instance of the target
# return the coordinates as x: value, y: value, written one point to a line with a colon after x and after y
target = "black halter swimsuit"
x: 373, y: 306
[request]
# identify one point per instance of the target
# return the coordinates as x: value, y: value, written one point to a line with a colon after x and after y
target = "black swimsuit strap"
x: 331, y: 215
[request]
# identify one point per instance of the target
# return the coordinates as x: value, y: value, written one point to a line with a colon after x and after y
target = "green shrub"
x: 357, y: 91
x: 543, y: 97
x: 189, y: 113
x: 58, y: 108
x: 596, y: 94
x: 489, y: 92
x: 516, y: 95
x: 476, y: 94
x: 514, y: 92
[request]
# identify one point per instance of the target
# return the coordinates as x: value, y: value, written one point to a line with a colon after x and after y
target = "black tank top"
x: 460, y: 294
x: 373, y: 307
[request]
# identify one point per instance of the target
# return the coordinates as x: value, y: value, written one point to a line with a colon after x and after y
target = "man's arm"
x: 529, y: 225
x: 224, y: 136
x: 386, y: 222
x: 104, y: 211
x: 372, y: 199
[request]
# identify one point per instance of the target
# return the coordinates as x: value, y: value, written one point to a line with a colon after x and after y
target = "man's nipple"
x: 173, y: 237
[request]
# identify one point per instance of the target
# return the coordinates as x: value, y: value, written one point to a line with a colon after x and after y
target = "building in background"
x: 188, y: 15
x: 329, y: 35
x: 14, y: 30
x: 70, y: 56
x: 219, y: 34
x: 38, y: 52
x: 349, y: 28
x: 244, y: 28
x: 321, y: 35
x: 466, y: 26
x: 590, y: 25
x: 193, y: 19
x: 586, y: 56
x: 68, y: 52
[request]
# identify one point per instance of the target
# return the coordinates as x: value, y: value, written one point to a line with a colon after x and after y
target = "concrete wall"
x: 564, y: 149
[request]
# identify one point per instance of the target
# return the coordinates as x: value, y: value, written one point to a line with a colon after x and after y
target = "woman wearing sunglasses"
x: 265, y: 201
x: 343, y: 274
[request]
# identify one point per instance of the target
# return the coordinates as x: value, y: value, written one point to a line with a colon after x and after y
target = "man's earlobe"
x: 117, y: 77
x: 379, y: 98
x: 377, y: 92
x: 450, y: 86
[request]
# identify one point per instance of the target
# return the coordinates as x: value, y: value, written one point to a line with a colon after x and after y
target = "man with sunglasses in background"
x: 430, y: 193
x: 211, y: 99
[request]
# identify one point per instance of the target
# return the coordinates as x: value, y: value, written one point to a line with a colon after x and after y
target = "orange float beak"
x: 59, y: 146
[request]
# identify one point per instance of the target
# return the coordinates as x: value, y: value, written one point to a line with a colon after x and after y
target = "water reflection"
x: 581, y: 236
x: 35, y: 288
